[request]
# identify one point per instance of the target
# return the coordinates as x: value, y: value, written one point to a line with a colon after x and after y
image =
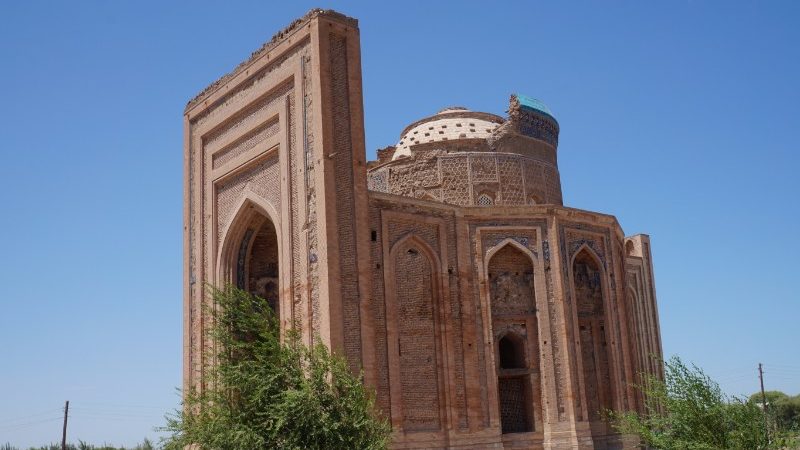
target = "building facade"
x: 484, y: 313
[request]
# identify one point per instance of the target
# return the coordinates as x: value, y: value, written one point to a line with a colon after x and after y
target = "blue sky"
x: 680, y: 118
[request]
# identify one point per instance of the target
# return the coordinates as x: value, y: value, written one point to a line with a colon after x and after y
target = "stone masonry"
x: 483, y: 312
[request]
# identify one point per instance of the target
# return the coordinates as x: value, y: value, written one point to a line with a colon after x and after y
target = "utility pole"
x: 763, y: 398
x: 64, y: 434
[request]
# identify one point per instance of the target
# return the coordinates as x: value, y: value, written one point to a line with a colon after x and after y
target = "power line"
x: 119, y: 405
x: 43, y: 413
x: 20, y: 426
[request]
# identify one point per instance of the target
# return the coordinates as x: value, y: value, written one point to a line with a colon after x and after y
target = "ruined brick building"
x: 484, y: 313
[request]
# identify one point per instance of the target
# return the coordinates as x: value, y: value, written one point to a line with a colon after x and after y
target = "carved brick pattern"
x: 426, y: 170
x: 263, y: 179
x: 484, y: 168
x: 475, y: 258
x: 535, y: 126
x: 246, y: 143
x: 511, y: 185
x: 557, y: 347
x: 456, y: 324
x: 416, y: 326
x: 378, y: 181
x: 552, y: 185
x: 345, y: 209
x: 311, y: 193
x: 591, y: 323
x: 510, y: 179
x: 267, y: 183
x: 243, y: 120
x: 568, y: 235
x: 194, y: 318
x: 523, y: 237
x: 577, y: 239
x: 398, y: 228
x: 296, y: 177
x: 511, y: 283
x: 248, y: 118
x: 455, y: 180
x: 419, y: 175
x: 254, y: 84
x: 535, y: 181
x: 512, y: 404
x: 513, y: 299
x: 379, y: 313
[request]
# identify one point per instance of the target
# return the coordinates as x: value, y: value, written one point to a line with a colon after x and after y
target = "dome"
x: 449, y: 124
x: 535, y: 104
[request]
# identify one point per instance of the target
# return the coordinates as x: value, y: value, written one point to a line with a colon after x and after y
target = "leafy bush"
x: 688, y: 411
x: 264, y: 393
x: 146, y: 445
x: 784, y: 410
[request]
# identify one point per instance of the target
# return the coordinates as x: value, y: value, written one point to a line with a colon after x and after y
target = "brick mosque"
x: 483, y: 312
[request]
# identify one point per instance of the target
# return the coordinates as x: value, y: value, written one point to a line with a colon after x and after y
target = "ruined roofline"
x: 269, y: 45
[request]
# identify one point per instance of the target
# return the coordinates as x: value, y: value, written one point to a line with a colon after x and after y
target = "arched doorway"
x: 251, y: 255
x: 516, y: 330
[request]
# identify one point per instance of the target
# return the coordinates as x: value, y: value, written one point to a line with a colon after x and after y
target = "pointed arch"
x: 232, y: 232
x: 415, y: 329
x: 250, y: 252
x: 508, y: 241
x: 588, y: 279
x: 509, y: 277
x: 584, y: 247
x: 418, y: 241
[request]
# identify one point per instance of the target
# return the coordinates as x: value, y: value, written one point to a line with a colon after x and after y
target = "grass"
x: 146, y: 445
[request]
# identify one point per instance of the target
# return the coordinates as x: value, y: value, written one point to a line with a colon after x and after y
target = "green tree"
x: 688, y: 411
x: 264, y: 393
x: 784, y: 410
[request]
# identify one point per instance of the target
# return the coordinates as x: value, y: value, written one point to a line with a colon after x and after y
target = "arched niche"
x: 413, y: 282
x: 630, y: 248
x: 587, y: 278
x: 512, y: 300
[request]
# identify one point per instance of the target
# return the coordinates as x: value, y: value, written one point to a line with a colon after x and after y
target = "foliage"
x: 688, y: 411
x: 264, y: 393
x: 784, y: 410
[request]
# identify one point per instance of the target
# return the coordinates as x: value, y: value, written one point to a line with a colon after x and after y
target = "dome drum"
x: 469, y: 158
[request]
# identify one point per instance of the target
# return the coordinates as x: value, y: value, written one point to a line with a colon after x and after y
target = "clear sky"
x: 681, y: 118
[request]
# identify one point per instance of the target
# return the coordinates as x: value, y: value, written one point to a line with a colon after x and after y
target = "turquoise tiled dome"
x: 534, y: 104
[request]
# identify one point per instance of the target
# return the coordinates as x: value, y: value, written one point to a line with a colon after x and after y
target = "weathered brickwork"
x: 511, y: 283
x: 343, y: 163
x: 246, y: 143
x: 419, y: 380
x: 588, y: 284
x: 484, y: 313
x: 456, y: 176
x: 515, y: 328
x: 262, y: 267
